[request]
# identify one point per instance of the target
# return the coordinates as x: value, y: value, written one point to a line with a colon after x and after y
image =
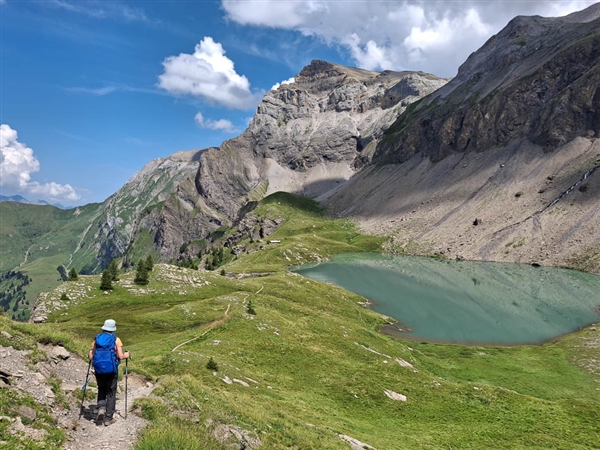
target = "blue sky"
x: 91, y: 91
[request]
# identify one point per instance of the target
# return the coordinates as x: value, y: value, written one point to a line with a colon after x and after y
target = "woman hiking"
x: 105, y: 355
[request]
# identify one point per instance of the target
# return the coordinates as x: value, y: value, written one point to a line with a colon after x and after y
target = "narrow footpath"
x: 70, y: 369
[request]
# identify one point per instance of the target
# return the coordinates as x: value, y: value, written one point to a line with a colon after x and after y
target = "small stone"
x: 403, y: 363
x: 6, y: 334
x: 395, y: 395
x: 26, y: 412
x: 592, y: 328
x: 59, y: 352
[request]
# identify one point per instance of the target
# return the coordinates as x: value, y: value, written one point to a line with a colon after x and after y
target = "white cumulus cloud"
x: 434, y: 37
x: 217, y: 125
x: 17, y: 163
x: 209, y: 74
x: 288, y: 81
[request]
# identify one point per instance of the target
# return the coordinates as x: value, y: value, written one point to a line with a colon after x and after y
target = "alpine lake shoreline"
x: 311, y: 368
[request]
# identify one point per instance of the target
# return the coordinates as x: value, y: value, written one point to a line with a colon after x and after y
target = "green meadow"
x: 310, y: 365
x: 36, y: 239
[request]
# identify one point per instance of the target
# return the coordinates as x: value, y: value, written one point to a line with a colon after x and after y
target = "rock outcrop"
x: 306, y: 137
x: 156, y: 208
x: 538, y: 79
x: 500, y: 163
x: 310, y: 135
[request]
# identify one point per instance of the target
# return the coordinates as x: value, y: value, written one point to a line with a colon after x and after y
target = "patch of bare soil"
x: 69, y: 371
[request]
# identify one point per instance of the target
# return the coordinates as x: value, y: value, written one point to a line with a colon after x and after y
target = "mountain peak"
x: 319, y: 69
x: 589, y: 14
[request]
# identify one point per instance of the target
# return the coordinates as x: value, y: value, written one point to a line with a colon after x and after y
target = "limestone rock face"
x: 539, y: 79
x: 503, y: 162
x: 309, y: 135
x: 306, y: 137
x: 155, y: 206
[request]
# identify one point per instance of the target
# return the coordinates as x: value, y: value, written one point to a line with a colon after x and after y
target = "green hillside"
x: 310, y: 364
x: 35, y: 240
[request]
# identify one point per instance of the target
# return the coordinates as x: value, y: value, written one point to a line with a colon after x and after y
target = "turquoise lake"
x: 466, y: 302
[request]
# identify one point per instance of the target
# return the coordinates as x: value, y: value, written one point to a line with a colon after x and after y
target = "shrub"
x: 212, y: 365
x: 73, y: 274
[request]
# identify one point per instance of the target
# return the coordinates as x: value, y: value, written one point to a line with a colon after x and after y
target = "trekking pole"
x: 126, y: 374
x: 84, y: 387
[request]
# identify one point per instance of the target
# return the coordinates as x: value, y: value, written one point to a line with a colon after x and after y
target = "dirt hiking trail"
x: 70, y: 369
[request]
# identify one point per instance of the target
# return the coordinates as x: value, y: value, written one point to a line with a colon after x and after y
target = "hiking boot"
x: 100, y: 415
x: 108, y: 422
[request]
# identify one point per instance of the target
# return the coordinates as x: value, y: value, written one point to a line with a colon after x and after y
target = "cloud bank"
x: 434, y: 37
x: 210, y: 75
x: 288, y: 81
x: 217, y: 125
x: 101, y: 10
x: 17, y: 163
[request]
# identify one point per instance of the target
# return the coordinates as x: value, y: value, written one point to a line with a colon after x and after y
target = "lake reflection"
x: 467, y: 302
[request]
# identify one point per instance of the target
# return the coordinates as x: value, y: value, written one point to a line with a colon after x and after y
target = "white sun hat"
x: 109, y: 325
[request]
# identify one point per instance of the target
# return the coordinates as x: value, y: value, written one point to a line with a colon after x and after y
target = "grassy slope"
x: 315, y: 364
x: 47, y: 235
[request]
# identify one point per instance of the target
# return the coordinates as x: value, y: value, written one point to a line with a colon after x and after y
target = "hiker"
x: 105, y: 355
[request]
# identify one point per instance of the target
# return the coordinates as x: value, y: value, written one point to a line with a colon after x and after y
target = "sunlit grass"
x: 311, y: 364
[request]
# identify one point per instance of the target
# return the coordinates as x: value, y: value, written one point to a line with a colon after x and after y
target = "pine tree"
x: 141, y: 273
x: 113, y: 270
x: 250, y: 309
x: 106, y: 281
x: 212, y: 365
x: 73, y: 274
x: 149, y: 263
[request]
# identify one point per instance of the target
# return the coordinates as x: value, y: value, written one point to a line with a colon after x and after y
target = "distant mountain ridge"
x: 21, y: 199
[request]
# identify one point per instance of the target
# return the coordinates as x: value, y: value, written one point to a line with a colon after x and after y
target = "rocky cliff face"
x: 155, y: 208
x: 500, y: 163
x: 537, y: 79
x: 310, y: 135
x: 306, y: 137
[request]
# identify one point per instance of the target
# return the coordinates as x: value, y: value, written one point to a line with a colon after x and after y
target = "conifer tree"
x: 73, y: 274
x: 212, y: 365
x: 106, y: 281
x: 113, y: 269
x: 149, y: 263
x: 250, y: 309
x: 141, y: 273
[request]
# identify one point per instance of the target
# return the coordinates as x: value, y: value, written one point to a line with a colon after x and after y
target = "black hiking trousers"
x: 107, y: 393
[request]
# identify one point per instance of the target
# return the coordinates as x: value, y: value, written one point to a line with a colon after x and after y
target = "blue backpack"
x: 105, y: 357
